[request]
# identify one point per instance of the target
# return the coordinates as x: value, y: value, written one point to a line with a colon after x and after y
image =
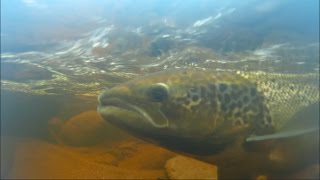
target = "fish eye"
x: 158, y: 92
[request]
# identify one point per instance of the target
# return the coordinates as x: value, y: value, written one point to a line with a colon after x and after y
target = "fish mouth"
x: 122, y: 113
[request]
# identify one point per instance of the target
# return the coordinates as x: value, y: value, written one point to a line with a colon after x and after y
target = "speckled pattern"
x: 233, y: 99
x: 285, y: 94
x: 214, y: 106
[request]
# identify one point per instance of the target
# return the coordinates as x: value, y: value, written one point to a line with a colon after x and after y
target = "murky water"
x: 57, y: 57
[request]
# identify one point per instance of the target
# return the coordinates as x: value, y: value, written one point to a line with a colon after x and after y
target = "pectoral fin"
x: 304, y: 122
x: 281, y: 135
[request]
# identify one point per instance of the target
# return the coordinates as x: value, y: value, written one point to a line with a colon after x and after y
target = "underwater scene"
x: 160, y: 89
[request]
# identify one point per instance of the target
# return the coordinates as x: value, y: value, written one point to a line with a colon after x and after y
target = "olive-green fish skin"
x: 206, y: 108
x: 285, y: 94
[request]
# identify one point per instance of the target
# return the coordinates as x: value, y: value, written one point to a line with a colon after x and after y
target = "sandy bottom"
x: 26, y: 158
x: 86, y: 147
x: 38, y: 159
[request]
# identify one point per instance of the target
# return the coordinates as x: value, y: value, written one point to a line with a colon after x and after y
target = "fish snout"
x: 115, y: 92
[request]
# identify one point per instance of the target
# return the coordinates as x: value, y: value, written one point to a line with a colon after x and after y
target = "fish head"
x: 158, y: 103
x: 187, y: 106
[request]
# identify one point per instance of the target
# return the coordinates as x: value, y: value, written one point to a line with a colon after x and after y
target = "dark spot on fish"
x: 213, y: 105
x: 239, y: 104
x: 245, y: 89
x: 202, y: 91
x: 265, y: 109
x: 195, y: 98
x: 234, y: 95
x: 193, y: 89
x: 227, y: 98
x: 269, y: 121
x: 234, y: 86
x: 220, y: 97
x: 180, y: 99
x: 255, y: 100
x: 232, y: 106
x: 253, y: 92
x: 212, y: 97
x: 260, y: 116
x: 237, y: 122
x: 237, y: 114
x: 222, y: 87
x: 224, y: 108
x: 245, y: 99
x: 255, y: 109
x: 193, y: 108
x: 291, y: 87
x: 212, y: 87
x: 246, y: 109
x: 245, y: 120
x: 261, y: 106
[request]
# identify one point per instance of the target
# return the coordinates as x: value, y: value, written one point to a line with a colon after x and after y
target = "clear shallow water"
x: 56, y: 52
x: 102, y: 43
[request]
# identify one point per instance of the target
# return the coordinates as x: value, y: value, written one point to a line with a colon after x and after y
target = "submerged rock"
x: 34, y: 159
x: 181, y: 167
x: 23, y: 72
x: 84, y: 129
x: 135, y: 155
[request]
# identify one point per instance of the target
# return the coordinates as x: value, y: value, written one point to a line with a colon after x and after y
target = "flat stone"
x: 83, y: 130
x: 181, y: 167
x: 35, y: 159
x: 140, y: 155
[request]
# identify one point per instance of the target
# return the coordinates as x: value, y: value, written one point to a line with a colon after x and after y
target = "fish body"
x: 202, y: 112
x: 244, y: 122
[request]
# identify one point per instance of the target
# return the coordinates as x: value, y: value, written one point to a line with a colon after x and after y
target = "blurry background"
x: 58, y: 55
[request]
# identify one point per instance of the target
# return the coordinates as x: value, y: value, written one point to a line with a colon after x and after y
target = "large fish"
x: 204, y: 112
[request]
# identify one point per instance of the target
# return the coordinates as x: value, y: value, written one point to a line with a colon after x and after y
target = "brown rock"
x: 36, y: 159
x: 84, y: 129
x: 181, y: 167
